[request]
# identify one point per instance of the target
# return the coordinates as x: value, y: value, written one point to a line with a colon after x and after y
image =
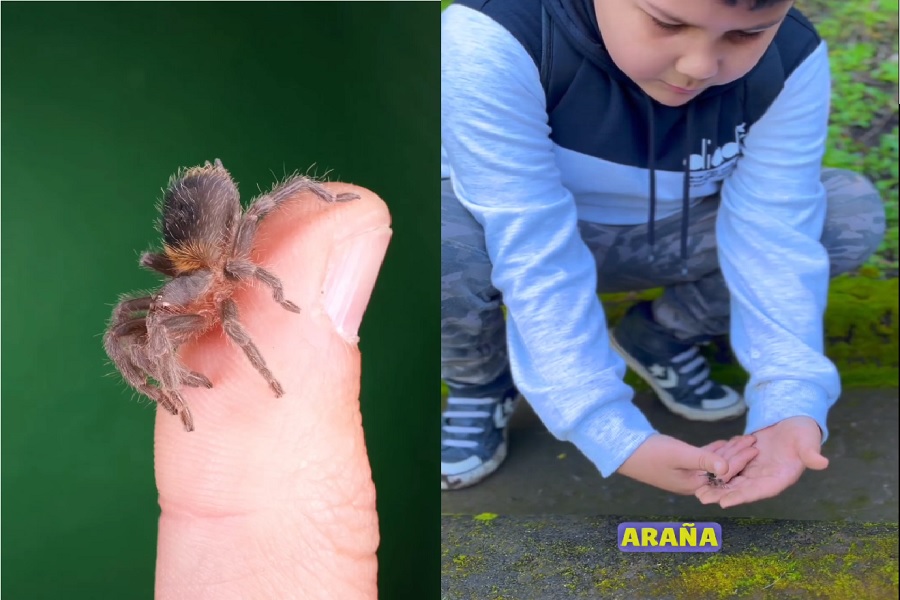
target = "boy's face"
x: 675, y: 49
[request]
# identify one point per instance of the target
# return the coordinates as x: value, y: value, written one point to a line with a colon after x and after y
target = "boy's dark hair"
x: 754, y: 4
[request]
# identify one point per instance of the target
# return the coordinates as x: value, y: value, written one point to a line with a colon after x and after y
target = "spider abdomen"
x: 199, y: 212
x: 193, y: 256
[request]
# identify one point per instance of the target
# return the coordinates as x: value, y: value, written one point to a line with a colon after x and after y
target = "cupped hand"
x: 786, y: 449
x: 675, y: 466
x: 273, y: 497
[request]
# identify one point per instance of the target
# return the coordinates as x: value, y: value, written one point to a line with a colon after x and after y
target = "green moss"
x: 571, y: 579
x: 866, y: 376
x: 531, y: 568
x: 467, y: 564
x: 867, y: 569
x: 828, y: 568
x: 608, y: 580
x: 861, y: 324
x: 485, y: 517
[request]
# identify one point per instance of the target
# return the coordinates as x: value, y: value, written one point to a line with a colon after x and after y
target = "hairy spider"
x: 207, y: 240
x: 713, y: 481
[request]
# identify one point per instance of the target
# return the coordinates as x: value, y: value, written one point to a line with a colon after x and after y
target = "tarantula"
x: 713, y: 481
x: 207, y: 240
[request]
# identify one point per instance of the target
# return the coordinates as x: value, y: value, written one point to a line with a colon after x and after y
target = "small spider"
x: 207, y: 240
x: 713, y: 481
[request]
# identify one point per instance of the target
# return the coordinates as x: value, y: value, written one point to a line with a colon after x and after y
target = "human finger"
x: 738, y: 452
x: 278, y: 489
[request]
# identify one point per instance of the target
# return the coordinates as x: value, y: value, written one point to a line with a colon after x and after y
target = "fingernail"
x: 352, y: 271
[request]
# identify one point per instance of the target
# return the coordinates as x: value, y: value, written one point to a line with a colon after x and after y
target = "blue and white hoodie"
x: 528, y: 171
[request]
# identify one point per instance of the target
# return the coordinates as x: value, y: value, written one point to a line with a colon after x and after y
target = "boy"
x: 609, y: 145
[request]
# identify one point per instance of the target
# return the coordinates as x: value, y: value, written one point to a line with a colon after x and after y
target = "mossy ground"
x: 867, y: 569
x: 510, y: 558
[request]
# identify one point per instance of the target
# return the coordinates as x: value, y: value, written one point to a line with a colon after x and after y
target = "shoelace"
x: 465, y: 414
x: 693, y: 355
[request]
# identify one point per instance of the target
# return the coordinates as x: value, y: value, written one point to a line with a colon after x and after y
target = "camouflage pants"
x: 474, y: 360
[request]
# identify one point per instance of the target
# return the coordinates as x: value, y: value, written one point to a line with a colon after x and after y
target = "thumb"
x: 707, y: 461
x: 273, y: 465
x: 685, y: 456
x: 812, y: 458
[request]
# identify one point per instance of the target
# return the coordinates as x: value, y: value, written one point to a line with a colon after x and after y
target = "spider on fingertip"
x: 207, y: 239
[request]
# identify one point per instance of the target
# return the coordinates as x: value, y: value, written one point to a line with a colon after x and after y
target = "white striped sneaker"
x: 473, y: 438
x: 676, y: 370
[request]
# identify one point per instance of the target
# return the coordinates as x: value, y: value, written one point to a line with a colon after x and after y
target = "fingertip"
x: 728, y: 502
x: 719, y: 467
x: 745, y: 441
x: 817, y: 462
x: 328, y: 254
x: 350, y: 279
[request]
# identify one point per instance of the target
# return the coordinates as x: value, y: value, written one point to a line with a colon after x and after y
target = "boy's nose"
x: 698, y: 66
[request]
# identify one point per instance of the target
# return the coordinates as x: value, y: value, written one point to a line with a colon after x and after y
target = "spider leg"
x: 158, y: 262
x: 263, y: 205
x: 186, y: 418
x: 123, y: 315
x: 125, y: 310
x: 170, y: 399
x: 118, y: 343
x: 185, y: 376
x: 143, y: 347
x: 236, y: 332
x: 244, y: 269
x: 165, y: 333
x: 124, y: 345
x: 195, y: 379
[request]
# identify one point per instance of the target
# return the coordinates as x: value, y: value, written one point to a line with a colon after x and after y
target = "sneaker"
x: 675, y: 369
x: 473, y: 438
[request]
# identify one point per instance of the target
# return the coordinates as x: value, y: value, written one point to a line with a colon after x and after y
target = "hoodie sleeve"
x: 769, y: 226
x: 500, y: 159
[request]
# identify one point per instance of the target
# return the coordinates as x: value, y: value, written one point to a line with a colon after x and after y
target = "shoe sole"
x: 479, y: 473
x: 691, y: 414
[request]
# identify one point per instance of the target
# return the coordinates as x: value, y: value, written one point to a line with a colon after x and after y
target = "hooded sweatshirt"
x: 530, y: 157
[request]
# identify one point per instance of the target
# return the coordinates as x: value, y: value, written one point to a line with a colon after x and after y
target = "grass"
x: 863, y: 132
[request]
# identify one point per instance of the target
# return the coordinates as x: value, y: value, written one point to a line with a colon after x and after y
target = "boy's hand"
x: 786, y: 449
x: 674, y: 466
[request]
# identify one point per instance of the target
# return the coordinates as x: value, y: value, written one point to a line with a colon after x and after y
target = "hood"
x: 576, y: 20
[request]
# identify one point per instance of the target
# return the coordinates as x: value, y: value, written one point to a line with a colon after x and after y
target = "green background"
x: 101, y: 103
